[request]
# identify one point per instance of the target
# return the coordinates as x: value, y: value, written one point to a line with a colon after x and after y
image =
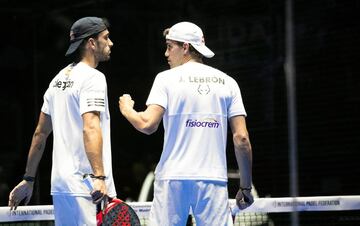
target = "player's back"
x: 198, y: 99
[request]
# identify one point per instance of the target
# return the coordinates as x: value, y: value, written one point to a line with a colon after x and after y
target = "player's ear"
x: 92, y: 43
x: 186, y: 47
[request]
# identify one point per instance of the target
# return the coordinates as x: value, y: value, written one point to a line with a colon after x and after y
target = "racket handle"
x: 88, y: 182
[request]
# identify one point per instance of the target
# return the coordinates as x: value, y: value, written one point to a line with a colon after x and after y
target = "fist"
x: 125, y: 103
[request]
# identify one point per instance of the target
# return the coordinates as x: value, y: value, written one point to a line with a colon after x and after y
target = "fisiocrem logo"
x: 204, y: 123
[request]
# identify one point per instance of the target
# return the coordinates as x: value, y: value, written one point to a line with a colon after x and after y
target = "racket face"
x: 121, y: 214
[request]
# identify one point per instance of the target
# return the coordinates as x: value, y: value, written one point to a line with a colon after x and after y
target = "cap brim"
x: 205, y: 51
x: 73, y: 47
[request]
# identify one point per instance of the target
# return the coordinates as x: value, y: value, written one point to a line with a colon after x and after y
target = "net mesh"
x: 312, y: 211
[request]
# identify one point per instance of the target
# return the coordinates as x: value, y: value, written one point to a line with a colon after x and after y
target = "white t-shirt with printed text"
x: 198, y: 102
x: 70, y: 94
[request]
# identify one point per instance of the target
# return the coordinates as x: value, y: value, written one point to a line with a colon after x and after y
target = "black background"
x: 249, y: 42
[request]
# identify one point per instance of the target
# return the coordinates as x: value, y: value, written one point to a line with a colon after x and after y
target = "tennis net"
x: 312, y: 211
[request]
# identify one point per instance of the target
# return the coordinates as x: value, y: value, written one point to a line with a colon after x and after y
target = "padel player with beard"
x: 75, y: 109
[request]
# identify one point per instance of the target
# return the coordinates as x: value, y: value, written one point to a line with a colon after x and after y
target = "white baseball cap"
x: 192, y: 34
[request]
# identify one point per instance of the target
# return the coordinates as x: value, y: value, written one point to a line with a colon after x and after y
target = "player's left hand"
x: 23, y: 190
x: 244, y: 199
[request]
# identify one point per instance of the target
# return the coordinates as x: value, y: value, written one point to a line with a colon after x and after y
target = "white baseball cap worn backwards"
x: 192, y: 34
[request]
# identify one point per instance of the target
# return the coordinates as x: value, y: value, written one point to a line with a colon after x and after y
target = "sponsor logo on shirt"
x: 63, y: 84
x: 204, y: 123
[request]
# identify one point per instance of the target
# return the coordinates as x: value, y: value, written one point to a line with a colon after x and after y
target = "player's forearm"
x: 42, y: 131
x: 35, y: 153
x: 93, y: 148
x: 139, y: 121
x: 243, y: 152
x: 38, y: 143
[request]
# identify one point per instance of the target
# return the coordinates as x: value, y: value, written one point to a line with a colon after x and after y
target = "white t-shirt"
x: 71, y: 94
x: 198, y: 100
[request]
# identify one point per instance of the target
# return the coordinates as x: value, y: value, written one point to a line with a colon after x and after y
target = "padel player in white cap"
x: 196, y: 102
x: 76, y: 110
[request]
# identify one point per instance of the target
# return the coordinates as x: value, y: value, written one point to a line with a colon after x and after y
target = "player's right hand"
x: 99, y: 192
x: 23, y: 190
x: 125, y: 103
x: 244, y: 199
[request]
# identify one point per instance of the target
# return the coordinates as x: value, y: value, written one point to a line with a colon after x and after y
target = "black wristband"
x: 246, y: 189
x: 29, y: 178
x: 101, y: 177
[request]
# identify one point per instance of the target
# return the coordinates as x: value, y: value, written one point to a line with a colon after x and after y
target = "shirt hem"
x: 191, y: 178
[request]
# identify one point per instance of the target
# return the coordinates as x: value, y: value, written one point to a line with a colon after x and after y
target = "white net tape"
x: 258, y: 209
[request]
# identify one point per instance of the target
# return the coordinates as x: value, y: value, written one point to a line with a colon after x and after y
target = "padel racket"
x: 117, y: 213
x: 113, y: 211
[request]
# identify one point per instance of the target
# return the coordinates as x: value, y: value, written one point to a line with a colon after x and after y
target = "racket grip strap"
x: 88, y: 182
x: 234, y: 210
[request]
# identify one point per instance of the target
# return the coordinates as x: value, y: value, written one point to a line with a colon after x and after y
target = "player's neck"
x: 90, y: 60
x: 188, y: 58
x: 193, y: 60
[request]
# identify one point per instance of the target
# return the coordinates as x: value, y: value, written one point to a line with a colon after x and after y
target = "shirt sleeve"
x: 236, y: 106
x: 45, y: 107
x: 158, y: 94
x: 93, y: 94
